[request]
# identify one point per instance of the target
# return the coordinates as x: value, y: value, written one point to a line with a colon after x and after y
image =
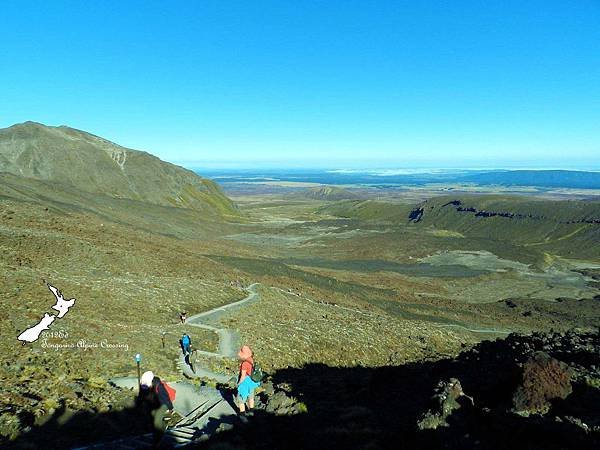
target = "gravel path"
x: 228, y: 339
x: 190, y: 398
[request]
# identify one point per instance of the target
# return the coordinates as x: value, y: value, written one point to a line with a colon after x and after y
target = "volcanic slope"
x: 82, y: 161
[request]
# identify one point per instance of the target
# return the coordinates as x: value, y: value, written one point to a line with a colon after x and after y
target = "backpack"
x: 185, y: 340
x: 257, y: 374
x: 169, y: 390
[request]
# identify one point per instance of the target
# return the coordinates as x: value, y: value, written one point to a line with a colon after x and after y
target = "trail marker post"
x: 138, y: 359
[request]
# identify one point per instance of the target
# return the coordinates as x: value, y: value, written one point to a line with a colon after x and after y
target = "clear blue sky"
x: 327, y: 84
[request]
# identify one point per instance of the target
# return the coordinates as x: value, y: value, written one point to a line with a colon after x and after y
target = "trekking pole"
x: 138, y: 359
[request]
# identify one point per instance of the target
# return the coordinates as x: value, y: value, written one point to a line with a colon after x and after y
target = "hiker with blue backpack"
x: 249, y: 379
x: 186, y: 348
x: 186, y: 344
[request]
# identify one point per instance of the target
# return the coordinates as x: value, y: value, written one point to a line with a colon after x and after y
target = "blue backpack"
x: 185, y: 340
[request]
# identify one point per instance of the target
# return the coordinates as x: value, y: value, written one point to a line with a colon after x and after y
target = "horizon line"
x: 398, y: 170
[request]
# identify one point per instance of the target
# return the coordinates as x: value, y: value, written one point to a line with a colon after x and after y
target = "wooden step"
x: 180, y: 435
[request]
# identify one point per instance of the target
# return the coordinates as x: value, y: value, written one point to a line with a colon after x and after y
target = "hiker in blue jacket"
x: 186, y: 344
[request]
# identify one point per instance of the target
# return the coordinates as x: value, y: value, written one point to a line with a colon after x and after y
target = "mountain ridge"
x: 90, y: 163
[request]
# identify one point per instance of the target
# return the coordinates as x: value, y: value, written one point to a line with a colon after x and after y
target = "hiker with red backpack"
x: 159, y: 397
x: 249, y: 379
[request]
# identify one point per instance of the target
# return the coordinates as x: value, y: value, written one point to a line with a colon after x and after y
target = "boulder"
x: 280, y: 404
x: 278, y: 401
x: 445, y: 402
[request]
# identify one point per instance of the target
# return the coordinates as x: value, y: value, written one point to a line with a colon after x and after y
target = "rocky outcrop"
x: 446, y: 401
x: 484, y: 213
x: 416, y: 215
x: 277, y: 400
x: 459, y: 206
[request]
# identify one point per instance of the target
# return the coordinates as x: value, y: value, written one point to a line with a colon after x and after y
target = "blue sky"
x: 314, y: 84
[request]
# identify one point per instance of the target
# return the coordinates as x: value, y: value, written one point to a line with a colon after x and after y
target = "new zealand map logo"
x: 62, y: 306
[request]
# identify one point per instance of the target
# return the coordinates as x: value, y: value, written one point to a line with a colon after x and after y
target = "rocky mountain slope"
x: 79, y: 160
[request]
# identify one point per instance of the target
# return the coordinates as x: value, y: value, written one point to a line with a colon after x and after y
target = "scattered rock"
x: 577, y: 422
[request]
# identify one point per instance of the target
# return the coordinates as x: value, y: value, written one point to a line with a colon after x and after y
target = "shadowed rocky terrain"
x: 522, y: 392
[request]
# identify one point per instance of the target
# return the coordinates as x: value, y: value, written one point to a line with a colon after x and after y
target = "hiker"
x: 186, y: 344
x: 183, y: 317
x: 246, y: 385
x: 157, y: 396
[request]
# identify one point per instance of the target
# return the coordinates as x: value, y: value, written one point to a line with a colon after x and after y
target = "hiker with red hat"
x: 248, y: 379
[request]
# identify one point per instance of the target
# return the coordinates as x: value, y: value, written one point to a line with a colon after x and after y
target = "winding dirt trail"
x: 228, y: 339
x: 203, y: 408
x: 475, y: 330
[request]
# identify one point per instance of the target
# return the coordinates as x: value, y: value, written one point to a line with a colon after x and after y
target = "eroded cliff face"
x: 459, y: 206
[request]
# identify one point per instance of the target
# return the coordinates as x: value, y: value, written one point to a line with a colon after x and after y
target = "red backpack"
x: 169, y: 390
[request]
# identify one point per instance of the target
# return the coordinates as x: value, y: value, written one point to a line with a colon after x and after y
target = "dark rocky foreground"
x: 524, y: 392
